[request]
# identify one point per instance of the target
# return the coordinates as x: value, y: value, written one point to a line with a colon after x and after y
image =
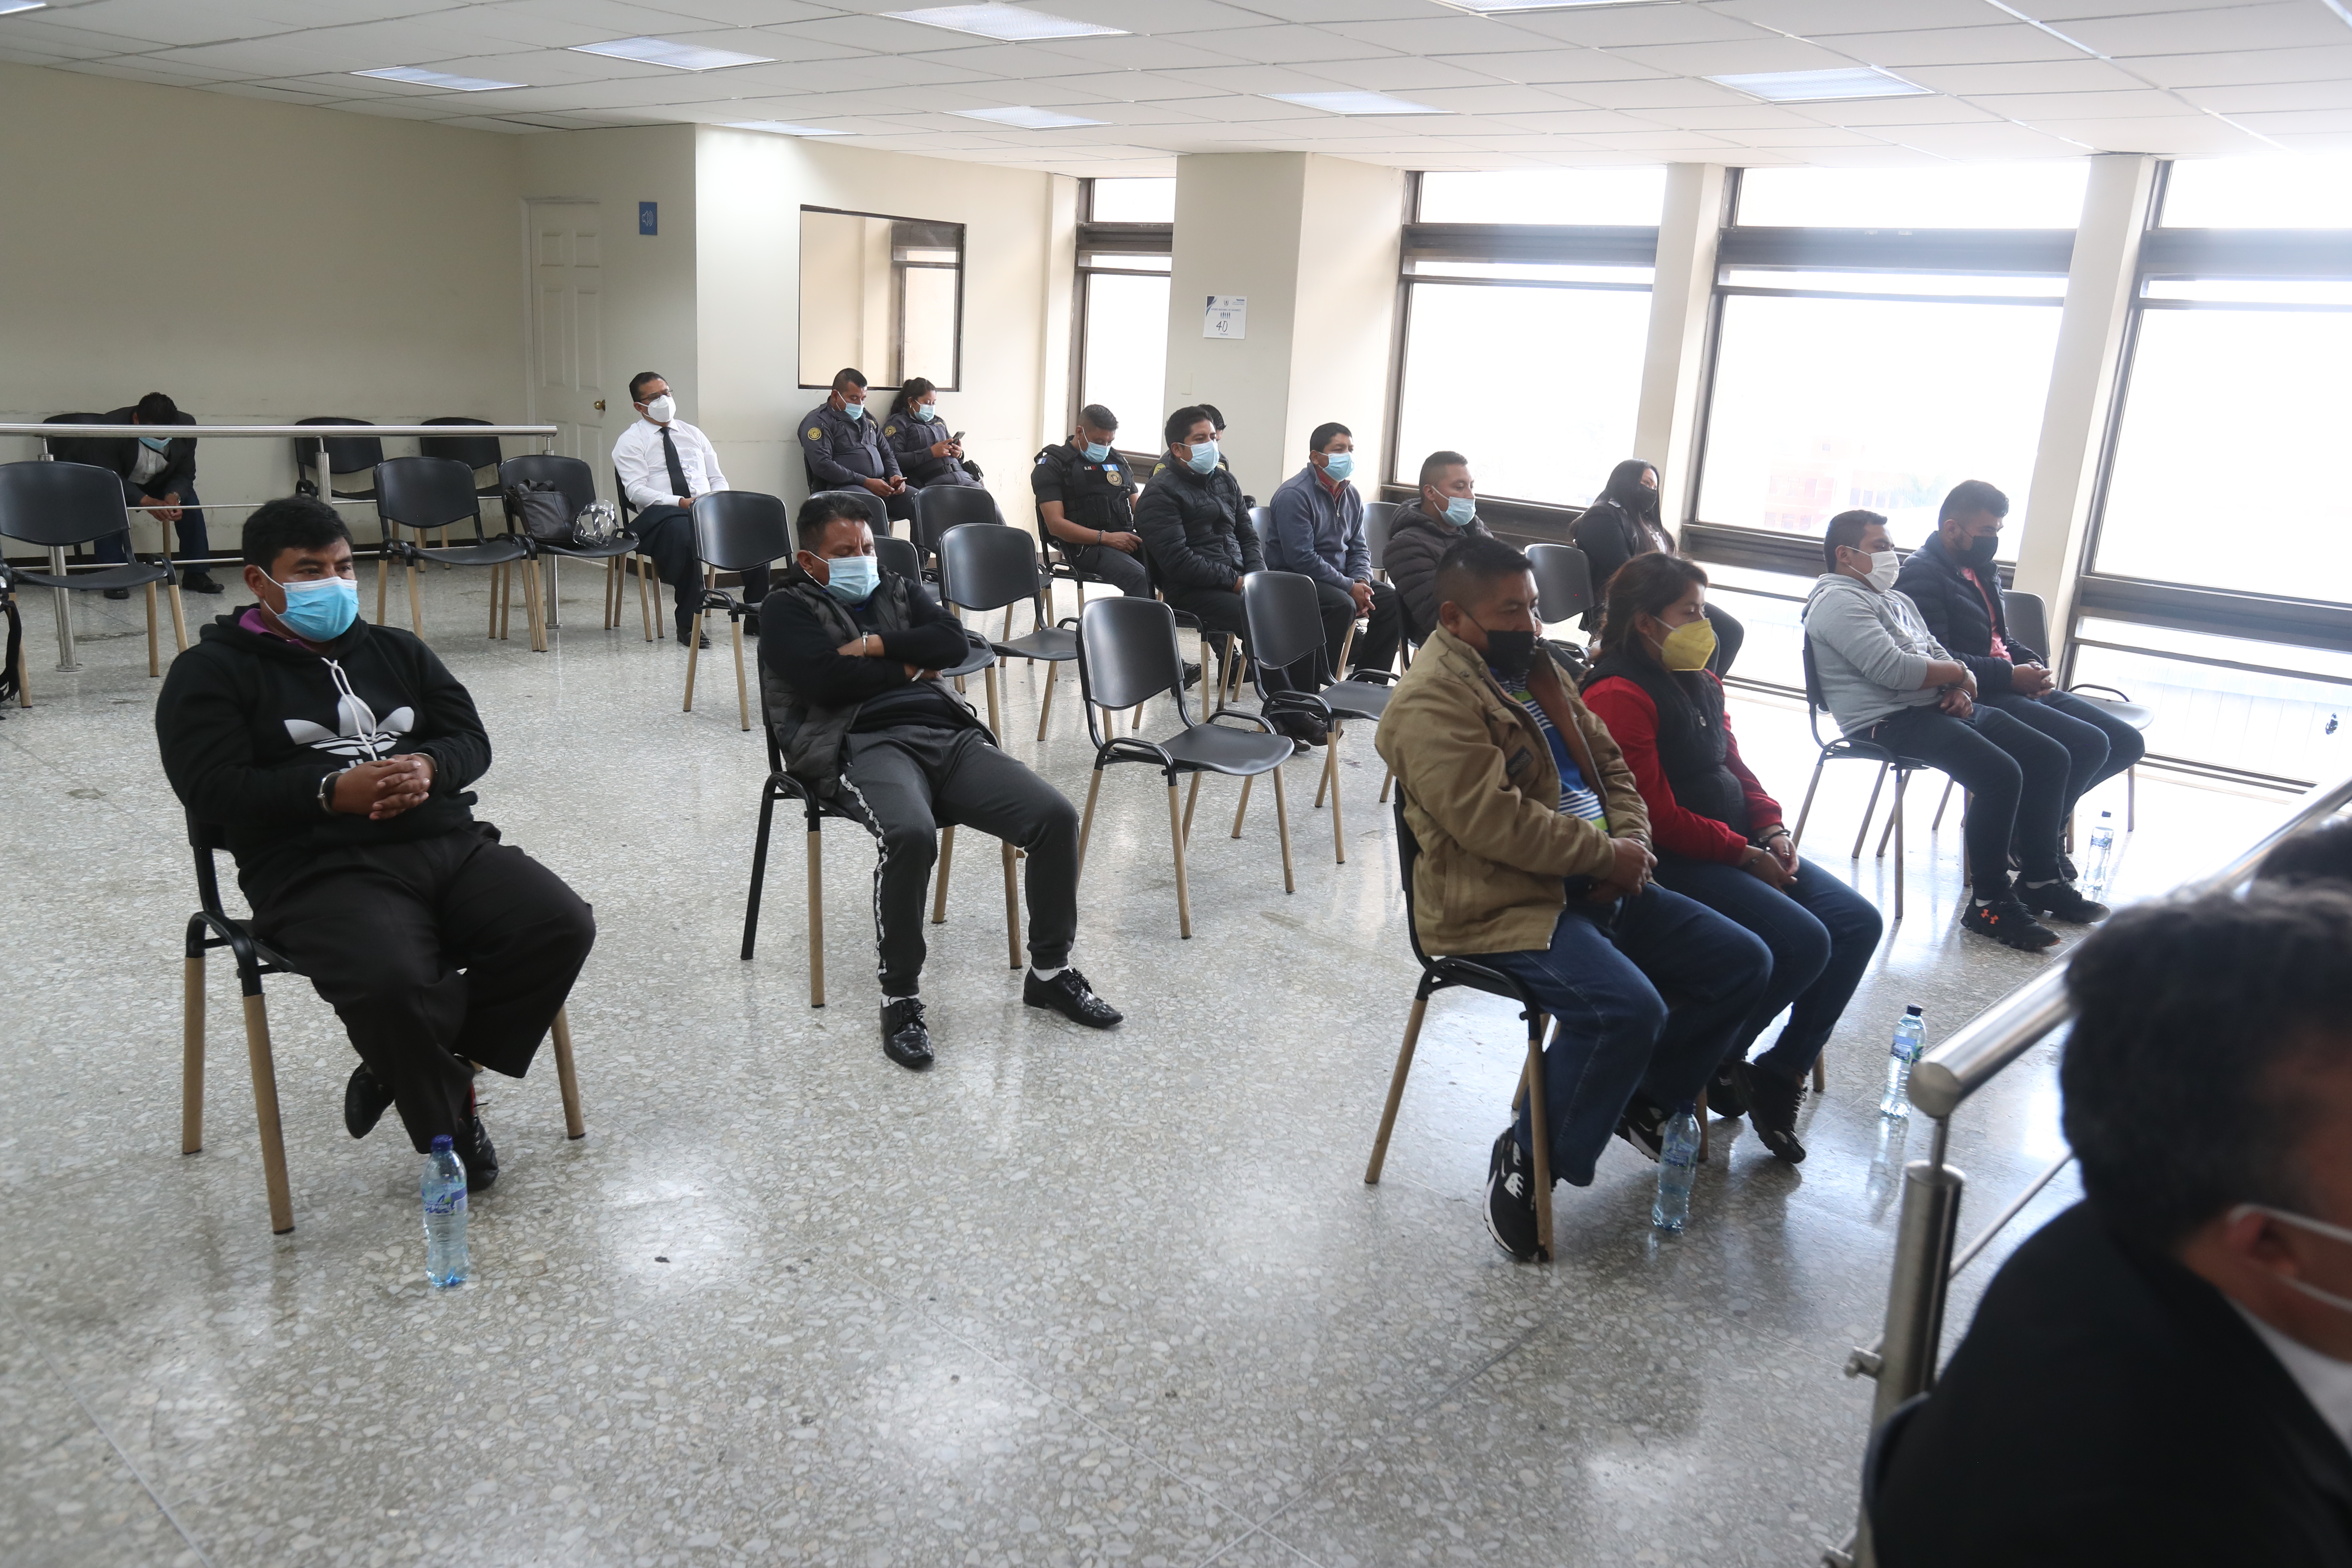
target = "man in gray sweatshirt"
x: 1886, y: 680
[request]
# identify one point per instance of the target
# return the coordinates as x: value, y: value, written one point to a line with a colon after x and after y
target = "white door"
x: 567, y: 330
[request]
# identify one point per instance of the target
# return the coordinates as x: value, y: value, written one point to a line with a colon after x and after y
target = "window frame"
x: 1118, y: 239
x: 898, y: 271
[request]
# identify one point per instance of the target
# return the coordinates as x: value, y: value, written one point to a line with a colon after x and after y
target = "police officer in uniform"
x: 927, y: 453
x: 1085, y: 501
x: 845, y: 451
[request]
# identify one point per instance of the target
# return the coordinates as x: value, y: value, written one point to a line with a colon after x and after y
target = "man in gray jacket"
x: 1886, y: 680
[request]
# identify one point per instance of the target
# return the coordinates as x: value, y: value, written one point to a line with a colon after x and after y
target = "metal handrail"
x: 1904, y: 1360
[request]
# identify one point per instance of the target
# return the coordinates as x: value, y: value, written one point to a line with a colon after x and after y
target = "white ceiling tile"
x: 2247, y: 67
x: 2038, y: 106
x: 1147, y: 17
x: 1762, y: 54
x: 1951, y: 46
x: 1658, y: 92
x: 31, y: 30
x: 1406, y: 74
x: 135, y: 22
x: 1544, y: 67
x: 1578, y: 121
x: 1149, y: 87
x: 2025, y: 76
x: 2188, y: 135
x: 1138, y: 54
x: 754, y: 13
x: 1442, y: 36
x: 1810, y: 136
x: 885, y: 34
x: 1812, y: 18
x: 2296, y: 141
x: 1992, y: 142
x: 2287, y: 97
x: 1500, y: 99
x: 1255, y: 78
x: 2063, y: 14
x: 2280, y: 25
x: 1731, y: 118
x: 1318, y: 11
x: 1007, y: 62
x: 1661, y: 142
x: 1870, y: 112
x: 1286, y: 45
x: 1620, y: 27
x: 2304, y: 122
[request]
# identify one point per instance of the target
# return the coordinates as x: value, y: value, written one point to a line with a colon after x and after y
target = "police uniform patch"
x: 890, y: 429
x: 1111, y: 474
x: 814, y: 433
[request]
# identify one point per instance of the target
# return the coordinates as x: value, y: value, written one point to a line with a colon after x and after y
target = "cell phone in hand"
x: 957, y: 436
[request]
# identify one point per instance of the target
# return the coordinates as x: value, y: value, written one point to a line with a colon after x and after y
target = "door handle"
x: 600, y: 405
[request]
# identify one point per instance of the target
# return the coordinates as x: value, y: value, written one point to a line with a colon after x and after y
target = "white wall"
x: 752, y: 187
x: 259, y: 262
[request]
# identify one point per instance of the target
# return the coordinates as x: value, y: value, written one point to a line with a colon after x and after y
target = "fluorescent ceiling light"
x: 669, y: 52
x: 419, y: 78
x: 1354, y: 102
x: 1015, y: 24
x: 1026, y: 118
x: 782, y: 128
x: 10, y: 7
x: 1818, y: 87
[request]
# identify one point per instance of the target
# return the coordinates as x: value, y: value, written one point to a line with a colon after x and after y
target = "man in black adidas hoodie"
x: 337, y: 757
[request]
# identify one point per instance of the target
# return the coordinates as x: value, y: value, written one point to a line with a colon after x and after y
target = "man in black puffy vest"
x: 851, y: 658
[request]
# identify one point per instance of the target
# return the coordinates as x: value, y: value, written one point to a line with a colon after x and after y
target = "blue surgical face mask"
x: 319, y: 611
x: 1460, y: 511
x: 1097, y: 451
x: 926, y: 411
x: 855, y: 410
x: 1340, y: 464
x: 156, y: 444
x: 1204, y: 457
x: 851, y: 578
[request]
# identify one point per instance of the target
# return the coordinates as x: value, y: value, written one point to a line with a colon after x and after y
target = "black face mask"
x: 1511, y: 653
x: 1979, y: 553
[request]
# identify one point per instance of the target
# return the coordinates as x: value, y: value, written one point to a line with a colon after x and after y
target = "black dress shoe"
x: 365, y: 1101
x: 114, y: 592
x: 195, y: 580
x: 684, y: 631
x: 1192, y: 675
x: 752, y: 624
x: 904, y: 1038
x: 475, y: 1152
x: 1068, y: 994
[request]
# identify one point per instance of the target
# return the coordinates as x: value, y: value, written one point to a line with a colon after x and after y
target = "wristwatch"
x: 327, y: 789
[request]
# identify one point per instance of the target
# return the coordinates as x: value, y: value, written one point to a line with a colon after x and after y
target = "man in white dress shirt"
x: 664, y: 463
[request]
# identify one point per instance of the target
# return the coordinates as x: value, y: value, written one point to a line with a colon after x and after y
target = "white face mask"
x: 2317, y: 1227
x: 1884, y: 566
x: 662, y: 409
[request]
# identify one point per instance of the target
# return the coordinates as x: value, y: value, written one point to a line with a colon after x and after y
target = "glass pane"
x: 1582, y: 346
x: 1773, y: 652
x: 2259, y: 192
x: 1979, y: 284
x: 1127, y: 353
x: 1955, y: 196
x: 1135, y: 201
x: 2273, y: 724
x: 2253, y: 290
x: 1626, y: 197
x: 878, y: 293
x: 1124, y: 263
x: 1823, y: 404
x: 2217, y: 397
x: 2285, y: 657
x: 1531, y: 272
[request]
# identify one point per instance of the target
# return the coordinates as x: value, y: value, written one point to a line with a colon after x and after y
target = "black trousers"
x: 913, y: 780
x: 188, y: 533
x: 1106, y: 563
x: 1220, y: 610
x: 2016, y: 777
x: 382, y: 933
x: 2098, y: 744
x: 1376, y: 649
x: 667, y: 533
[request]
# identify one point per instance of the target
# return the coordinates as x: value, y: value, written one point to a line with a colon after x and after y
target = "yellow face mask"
x: 1688, y: 647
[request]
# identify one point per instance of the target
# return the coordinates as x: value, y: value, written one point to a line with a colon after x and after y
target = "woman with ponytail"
x: 1625, y: 520
x: 1720, y: 836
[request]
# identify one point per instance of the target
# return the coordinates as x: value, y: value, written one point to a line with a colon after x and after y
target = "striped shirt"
x: 1577, y: 797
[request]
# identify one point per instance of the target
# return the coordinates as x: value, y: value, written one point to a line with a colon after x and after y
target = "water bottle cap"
x: 2104, y: 814
x: 441, y: 1144
x: 1913, y: 1010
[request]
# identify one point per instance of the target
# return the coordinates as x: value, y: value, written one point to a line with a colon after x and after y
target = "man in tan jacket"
x: 1534, y: 859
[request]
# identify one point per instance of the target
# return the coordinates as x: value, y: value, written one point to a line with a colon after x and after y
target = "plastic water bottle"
x: 2103, y: 853
x: 1677, y: 1163
x: 444, y: 1215
x: 1910, y: 1040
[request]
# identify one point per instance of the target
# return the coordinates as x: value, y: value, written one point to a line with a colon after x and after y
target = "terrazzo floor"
x: 1068, y: 1299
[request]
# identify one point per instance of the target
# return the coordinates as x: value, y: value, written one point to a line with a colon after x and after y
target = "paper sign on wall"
x: 1227, y: 317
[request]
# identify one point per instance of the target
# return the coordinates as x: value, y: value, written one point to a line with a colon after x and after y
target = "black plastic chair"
x: 782, y: 786
x: 2029, y: 617
x: 345, y: 455
x: 1843, y: 750
x: 1564, y: 591
x: 1879, y: 1453
x: 734, y: 530
x: 1443, y: 973
x: 1126, y: 656
x: 58, y: 506
x: 577, y: 481
x: 1380, y: 517
x: 476, y: 452
x: 987, y: 566
x: 942, y: 507
x: 212, y: 926
x: 423, y: 493
x: 878, y: 510
x: 637, y: 558
x: 1285, y: 629
x: 900, y: 558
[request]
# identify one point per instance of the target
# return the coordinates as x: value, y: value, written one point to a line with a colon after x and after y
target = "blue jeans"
x: 2098, y: 744
x: 1822, y: 934
x: 188, y: 533
x: 1601, y: 979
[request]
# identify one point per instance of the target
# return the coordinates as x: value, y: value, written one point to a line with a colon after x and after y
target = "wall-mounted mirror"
x: 884, y: 294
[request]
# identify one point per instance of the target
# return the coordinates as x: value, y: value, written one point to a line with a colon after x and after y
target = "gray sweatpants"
x: 914, y: 780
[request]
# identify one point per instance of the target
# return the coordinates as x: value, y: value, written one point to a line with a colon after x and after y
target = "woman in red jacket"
x: 1720, y: 836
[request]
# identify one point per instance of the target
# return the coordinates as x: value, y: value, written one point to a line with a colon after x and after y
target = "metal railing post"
x: 1923, y: 1262
x: 62, y: 598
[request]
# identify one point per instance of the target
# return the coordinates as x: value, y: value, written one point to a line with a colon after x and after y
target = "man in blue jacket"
x: 1318, y: 531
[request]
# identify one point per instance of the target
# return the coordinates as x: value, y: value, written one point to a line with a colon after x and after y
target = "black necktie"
x: 676, y: 472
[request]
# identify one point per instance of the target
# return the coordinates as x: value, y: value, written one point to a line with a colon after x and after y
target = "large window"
x: 1125, y: 240
x: 1526, y: 314
x: 1950, y: 195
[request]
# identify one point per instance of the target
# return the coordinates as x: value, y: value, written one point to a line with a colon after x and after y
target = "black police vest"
x: 1090, y: 497
x: 1693, y: 745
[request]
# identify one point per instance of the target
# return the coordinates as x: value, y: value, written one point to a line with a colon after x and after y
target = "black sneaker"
x: 1192, y: 675
x: 2010, y: 923
x: 195, y: 580
x: 365, y: 1101
x: 904, y: 1038
x: 1511, y: 1199
x: 1773, y: 1102
x: 1643, y: 1125
x: 474, y: 1152
x: 1726, y: 1091
x: 2066, y: 869
x: 1068, y: 994
x: 2061, y: 901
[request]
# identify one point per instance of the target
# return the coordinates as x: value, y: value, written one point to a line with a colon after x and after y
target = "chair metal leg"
x: 1797, y: 839
x: 265, y: 1109
x: 415, y: 602
x: 940, y: 881
x: 1183, y: 895
x: 2131, y: 798
x: 1086, y: 823
x: 759, y: 872
x: 1396, y: 1089
x: 383, y: 577
x: 566, y: 1079
x: 1895, y: 820
x: 742, y: 691
x: 192, y: 1057
x: 645, y: 599
x: 1387, y: 780
x: 1331, y: 778
x: 1011, y: 908
x: 1863, y: 832
x: 534, y: 600
x: 154, y: 643
x: 1192, y: 797
x: 995, y: 724
x: 1945, y: 800
x: 1821, y: 1077
x: 1539, y: 1136
x: 816, y: 919
x: 693, y: 653
x: 1240, y: 809
x: 1282, y: 830
x: 1046, y: 709
x: 1340, y: 670
x: 1900, y: 780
